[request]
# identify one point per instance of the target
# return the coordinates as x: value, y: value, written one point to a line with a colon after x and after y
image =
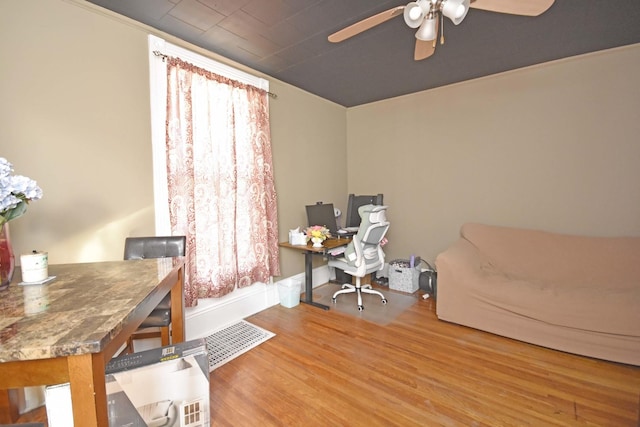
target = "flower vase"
x: 317, y: 242
x: 7, y: 259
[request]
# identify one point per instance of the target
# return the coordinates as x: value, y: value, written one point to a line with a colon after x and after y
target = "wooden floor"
x: 327, y: 369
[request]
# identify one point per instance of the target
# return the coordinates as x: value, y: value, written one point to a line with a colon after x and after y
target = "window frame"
x: 158, y: 100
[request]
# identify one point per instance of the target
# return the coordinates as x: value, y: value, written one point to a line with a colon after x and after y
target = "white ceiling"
x: 287, y: 39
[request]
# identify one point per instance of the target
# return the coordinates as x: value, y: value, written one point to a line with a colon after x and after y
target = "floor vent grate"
x: 234, y: 340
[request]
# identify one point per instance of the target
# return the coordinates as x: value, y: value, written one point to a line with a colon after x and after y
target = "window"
x: 213, y: 174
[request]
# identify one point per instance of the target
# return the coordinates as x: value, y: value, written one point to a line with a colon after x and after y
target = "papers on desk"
x: 39, y: 282
x: 348, y: 230
x: 337, y: 251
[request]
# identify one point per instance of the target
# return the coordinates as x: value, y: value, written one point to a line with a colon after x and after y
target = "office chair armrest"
x: 357, y: 246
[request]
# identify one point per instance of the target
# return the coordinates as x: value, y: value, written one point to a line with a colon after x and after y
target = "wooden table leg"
x: 177, y: 309
x: 9, y: 406
x: 88, y: 390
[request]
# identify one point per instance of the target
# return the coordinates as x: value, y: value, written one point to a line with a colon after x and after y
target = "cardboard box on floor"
x: 166, y: 386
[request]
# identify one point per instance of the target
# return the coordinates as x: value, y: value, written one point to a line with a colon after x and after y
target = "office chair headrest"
x: 375, y: 213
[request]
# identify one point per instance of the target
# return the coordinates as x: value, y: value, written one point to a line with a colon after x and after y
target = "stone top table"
x: 93, y: 308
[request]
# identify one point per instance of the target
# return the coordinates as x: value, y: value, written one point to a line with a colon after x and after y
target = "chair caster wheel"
x: 384, y: 300
x: 360, y: 307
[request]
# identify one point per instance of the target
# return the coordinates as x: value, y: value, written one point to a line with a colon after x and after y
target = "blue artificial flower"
x: 15, y: 192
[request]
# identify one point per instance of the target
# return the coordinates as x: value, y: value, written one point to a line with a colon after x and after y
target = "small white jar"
x: 35, y: 266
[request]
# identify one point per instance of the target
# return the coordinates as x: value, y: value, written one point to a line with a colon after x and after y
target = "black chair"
x: 155, y: 247
x: 353, y: 217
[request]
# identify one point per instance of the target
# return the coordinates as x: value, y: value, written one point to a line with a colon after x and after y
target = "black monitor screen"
x: 323, y: 214
x: 353, y: 216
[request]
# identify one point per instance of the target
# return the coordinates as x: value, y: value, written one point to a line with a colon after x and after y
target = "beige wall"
x: 552, y: 147
x: 75, y: 117
x: 309, y: 157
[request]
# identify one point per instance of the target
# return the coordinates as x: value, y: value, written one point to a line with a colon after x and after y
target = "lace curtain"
x: 220, y: 180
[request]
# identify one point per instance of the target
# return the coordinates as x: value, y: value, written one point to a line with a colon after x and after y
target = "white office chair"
x: 364, y: 254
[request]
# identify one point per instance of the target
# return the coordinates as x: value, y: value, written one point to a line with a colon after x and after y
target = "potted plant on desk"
x: 317, y: 234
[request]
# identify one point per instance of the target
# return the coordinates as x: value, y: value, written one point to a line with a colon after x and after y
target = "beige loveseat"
x: 576, y: 294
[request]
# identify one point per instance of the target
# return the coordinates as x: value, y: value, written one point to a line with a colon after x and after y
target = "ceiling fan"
x: 428, y: 17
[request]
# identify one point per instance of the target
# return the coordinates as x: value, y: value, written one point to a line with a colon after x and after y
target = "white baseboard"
x: 32, y: 398
x: 211, y: 315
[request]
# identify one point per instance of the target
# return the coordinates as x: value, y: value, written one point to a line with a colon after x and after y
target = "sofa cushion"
x: 552, y: 257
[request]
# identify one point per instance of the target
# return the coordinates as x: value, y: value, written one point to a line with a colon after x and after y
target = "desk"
x: 93, y: 309
x: 309, y: 252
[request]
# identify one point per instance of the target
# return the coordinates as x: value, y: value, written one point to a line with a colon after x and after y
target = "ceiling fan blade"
x: 365, y: 24
x: 424, y: 49
x: 514, y: 7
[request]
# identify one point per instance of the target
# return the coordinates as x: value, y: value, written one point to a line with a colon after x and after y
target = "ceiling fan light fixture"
x: 414, y: 14
x: 428, y: 29
x: 456, y: 10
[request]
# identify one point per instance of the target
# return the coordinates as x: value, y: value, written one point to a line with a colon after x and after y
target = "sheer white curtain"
x: 221, y: 191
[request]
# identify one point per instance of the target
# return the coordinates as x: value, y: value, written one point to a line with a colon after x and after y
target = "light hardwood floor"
x: 328, y: 369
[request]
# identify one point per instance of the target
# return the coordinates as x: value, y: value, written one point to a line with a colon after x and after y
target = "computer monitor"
x: 323, y: 214
x: 353, y: 217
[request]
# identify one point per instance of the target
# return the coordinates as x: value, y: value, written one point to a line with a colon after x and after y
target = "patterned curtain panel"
x: 220, y: 180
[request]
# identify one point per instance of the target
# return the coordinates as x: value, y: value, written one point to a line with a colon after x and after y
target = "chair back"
x: 364, y: 252
x: 154, y: 247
